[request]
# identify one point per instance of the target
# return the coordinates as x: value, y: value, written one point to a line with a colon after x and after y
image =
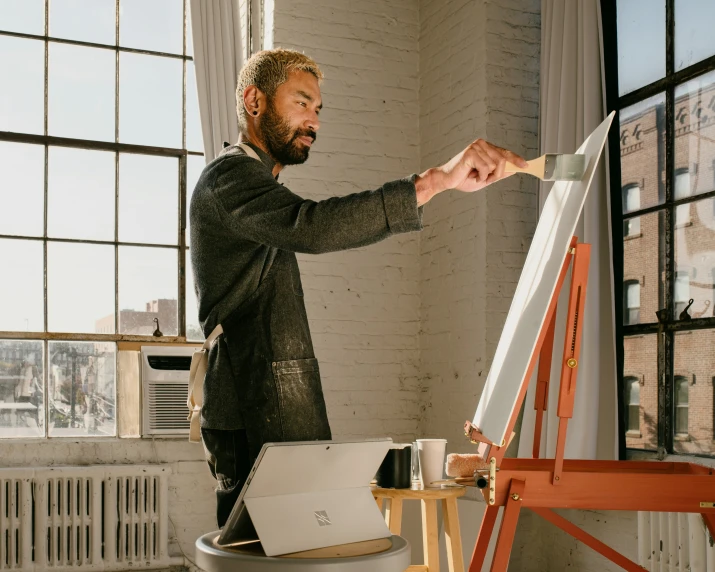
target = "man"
x: 262, y: 382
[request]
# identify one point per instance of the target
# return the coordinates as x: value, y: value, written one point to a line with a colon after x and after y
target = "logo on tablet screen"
x: 322, y: 517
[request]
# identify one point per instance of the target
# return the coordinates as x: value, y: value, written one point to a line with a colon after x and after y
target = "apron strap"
x: 197, y: 372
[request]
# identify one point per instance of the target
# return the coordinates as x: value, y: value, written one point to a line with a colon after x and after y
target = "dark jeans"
x: 230, y: 462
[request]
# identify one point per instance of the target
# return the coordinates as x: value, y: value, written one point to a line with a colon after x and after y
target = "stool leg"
x: 430, y: 534
x: 378, y: 500
x: 453, y: 536
x: 393, y: 516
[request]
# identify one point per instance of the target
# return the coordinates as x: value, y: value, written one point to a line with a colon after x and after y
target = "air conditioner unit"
x: 165, y: 383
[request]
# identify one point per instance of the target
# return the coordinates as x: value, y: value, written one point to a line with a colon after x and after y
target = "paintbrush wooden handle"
x: 534, y: 167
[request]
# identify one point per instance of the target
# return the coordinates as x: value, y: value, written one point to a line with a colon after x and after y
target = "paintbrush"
x: 553, y: 167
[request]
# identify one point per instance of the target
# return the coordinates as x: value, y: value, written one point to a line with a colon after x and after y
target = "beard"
x: 282, y: 141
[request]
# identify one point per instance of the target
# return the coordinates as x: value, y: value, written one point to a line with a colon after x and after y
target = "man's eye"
x: 302, y: 103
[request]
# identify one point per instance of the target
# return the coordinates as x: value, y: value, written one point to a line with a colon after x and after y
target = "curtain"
x: 218, y: 57
x: 572, y: 104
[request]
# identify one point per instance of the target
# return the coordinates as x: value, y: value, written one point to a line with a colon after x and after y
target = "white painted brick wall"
x: 479, y: 73
x: 364, y: 304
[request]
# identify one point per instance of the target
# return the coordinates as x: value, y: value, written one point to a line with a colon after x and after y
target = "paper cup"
x: 431, y: 454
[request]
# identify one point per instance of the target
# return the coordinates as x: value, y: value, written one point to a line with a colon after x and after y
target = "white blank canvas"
x: 534, y: 292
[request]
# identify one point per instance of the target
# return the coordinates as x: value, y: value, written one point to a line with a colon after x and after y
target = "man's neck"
x: 256, y: 142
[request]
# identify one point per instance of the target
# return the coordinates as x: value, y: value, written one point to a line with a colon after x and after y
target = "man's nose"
x: 313, y: 123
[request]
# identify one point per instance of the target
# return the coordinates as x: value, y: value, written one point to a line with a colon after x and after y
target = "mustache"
x: 305, y: 133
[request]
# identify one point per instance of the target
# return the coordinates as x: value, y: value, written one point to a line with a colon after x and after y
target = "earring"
x: 255, y: 113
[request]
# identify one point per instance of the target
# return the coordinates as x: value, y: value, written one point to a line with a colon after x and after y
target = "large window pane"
x: 193, y: 329
x: 148, y: 199
x: 189, y: 33
x: 82, y: 389
x: 693, y: 404
x: 22, y: 96
x: 643, y: 266
x: 150, y: 100
x: 21, y: 286
x: 640, y: 371
x: 80, y: 288
x: 24, y: 16
x: 84, y: 20
x: 695, y: 135
x: 148, y: 290
x: 194, y: 166
x: 81, y: 194
x: 157, y: 25
x: 641, y: 43
x: 22, y: 404
x: 22, y: 185
x: 642, y: 135
x: 81, y: 92
x: 695, y: 261
x: 694, y: 40
x: 194, y: 139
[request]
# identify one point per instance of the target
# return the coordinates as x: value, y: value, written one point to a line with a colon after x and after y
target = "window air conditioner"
x: 165, y: 383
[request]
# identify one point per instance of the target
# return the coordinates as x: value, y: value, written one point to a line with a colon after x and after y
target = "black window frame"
x: 664, y: 323
x: 181, y: 247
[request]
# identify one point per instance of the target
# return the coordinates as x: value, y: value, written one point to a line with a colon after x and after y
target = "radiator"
x: 674, y: 542
x: 84, y: 518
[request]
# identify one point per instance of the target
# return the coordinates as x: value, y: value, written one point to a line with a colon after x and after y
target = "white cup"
x: 431, y: 453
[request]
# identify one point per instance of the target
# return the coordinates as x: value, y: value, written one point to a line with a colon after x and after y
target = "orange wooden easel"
x: 545, y: 484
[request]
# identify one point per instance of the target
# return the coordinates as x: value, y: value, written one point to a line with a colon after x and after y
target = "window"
x: 99, y: 141
x: 632, y: 402
x: 660, y: 78
x: 681, y: 405
x: 682, y: 291
x: 631, y: 203
x: 681, y: 190
x: 632, y: 298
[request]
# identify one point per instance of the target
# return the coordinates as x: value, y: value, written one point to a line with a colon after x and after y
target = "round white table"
x: 394, y: 557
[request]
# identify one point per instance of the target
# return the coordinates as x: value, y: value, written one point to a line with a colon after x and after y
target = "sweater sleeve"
x: 258, y: 208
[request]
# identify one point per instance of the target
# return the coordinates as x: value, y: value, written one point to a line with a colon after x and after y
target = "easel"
x: 545, y: 484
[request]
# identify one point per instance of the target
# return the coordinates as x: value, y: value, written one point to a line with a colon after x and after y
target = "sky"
x: 81, y: 183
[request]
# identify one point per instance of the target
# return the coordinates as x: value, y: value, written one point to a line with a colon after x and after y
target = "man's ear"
x: 254, y: 101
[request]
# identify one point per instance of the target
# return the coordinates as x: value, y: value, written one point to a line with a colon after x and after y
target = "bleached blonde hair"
x: 267, y: 70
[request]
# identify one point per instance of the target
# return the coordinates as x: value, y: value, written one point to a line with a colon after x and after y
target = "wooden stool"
x: 430, y: 533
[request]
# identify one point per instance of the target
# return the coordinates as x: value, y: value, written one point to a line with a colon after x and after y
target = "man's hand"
x: 479, y: 165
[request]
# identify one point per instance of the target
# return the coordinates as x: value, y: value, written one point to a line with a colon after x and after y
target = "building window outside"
x: 682, y: 387
x: 632, y: 298
x: 680, y: 191
x: 631, y: 203
x: 632, y: 401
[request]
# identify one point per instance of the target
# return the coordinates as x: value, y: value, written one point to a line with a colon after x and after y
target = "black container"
x: 395, y: 472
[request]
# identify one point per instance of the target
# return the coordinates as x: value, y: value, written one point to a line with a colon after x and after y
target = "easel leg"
x: 393, y: 516
x: 483, y: 538
x: 508, y: 527
x: 590, y: 541
x: 453, y: 537
x: 430, y: 535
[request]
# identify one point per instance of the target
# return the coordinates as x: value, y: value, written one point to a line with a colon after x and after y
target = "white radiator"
x: 84, y: 518
x: 674, y: 542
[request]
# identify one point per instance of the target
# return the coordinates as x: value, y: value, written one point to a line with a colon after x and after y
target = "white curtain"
x: 218, y: 57
x: 572, y: 105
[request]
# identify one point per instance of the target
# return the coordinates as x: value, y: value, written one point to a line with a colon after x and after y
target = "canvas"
x: 534, y: 292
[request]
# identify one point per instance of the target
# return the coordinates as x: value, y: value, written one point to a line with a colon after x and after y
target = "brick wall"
x: 363, y: 304
x: 479, y: 73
